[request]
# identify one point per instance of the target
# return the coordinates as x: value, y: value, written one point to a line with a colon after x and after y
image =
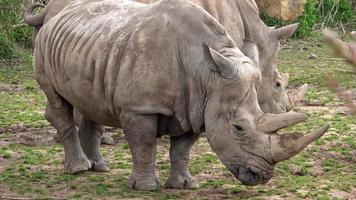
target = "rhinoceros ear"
x: 286, y: 32
x: 223, y: 65
x: 250, y: 49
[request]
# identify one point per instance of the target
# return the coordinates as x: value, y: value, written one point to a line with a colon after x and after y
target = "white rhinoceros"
x: 241, y: 19
x: 154, y: 69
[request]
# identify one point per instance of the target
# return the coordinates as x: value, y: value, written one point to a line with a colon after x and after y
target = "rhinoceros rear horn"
x: 298, y: 95
x: 271, y: 123
x: 287, y: 145
x: 223, y: 65
x: 250, y: 49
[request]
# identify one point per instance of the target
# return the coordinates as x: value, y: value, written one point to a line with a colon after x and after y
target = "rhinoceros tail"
x: 35, y: 20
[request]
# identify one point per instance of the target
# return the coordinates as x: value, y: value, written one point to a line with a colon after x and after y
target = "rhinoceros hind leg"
x: 180, y: 177
x: 90, y: 135
x: 105, y: 138
x: 140, y: 132
x: 59, y: 113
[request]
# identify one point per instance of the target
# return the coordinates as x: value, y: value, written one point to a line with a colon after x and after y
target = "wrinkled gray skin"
x: 165, y: 68
x: 241, y: 19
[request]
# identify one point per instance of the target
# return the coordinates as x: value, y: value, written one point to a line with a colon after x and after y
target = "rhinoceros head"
x: 272, y: 95
x: 243, y: 136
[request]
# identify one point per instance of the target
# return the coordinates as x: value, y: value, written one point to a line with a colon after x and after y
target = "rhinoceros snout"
x: 253, y: 176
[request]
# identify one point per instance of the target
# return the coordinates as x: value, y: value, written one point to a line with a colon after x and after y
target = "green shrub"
x: 6, y: 47
x: 13, y: 31
x: 329, y: 13
x: 335, y: 11
x: 308, y: 20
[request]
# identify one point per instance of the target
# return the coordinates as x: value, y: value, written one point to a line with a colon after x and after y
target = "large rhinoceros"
x: 241, y: 20
x: 164, y: 68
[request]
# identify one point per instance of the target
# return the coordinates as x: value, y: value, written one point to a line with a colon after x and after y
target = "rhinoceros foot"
x: 77, y: 165
x: 178, y: 181
x: 146, y: 183
x: 99, y: 166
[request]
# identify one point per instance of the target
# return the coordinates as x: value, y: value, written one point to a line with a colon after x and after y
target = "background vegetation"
x: 15, y: 35
x: 340, y: 14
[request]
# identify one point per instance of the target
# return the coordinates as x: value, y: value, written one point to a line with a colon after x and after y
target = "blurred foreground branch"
x: 347, y: 51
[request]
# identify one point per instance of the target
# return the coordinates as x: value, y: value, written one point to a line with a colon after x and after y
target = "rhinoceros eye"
x: 239, y: 130
x: 241, y: 127
x: 278, y: 84
x: 238, y: 127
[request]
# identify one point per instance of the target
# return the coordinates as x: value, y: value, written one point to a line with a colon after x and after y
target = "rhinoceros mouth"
x: 256, y: 171
x: 251, y: 175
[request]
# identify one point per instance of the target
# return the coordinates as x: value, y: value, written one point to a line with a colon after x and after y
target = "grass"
x: 325, y: 170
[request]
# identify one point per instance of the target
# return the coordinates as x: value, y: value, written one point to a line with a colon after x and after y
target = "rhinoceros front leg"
x: 180, y: 177
x: 59, y: 113
x: 140, y: 132
x: 90, y: 136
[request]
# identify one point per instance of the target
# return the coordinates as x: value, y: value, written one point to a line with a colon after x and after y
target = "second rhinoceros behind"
x: 164, y: 68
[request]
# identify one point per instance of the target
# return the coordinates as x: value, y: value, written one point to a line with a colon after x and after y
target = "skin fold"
x: 154, y: 69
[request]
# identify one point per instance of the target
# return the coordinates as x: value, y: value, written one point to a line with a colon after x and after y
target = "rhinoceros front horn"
x: 286, y: 146
x: 270, y: 123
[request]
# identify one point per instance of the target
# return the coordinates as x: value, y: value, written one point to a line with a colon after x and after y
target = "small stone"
x: 296, y: 170
x: 315, y: 103
x: 353, y: 34
x: 107, y: 139
x: 313, y: 56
